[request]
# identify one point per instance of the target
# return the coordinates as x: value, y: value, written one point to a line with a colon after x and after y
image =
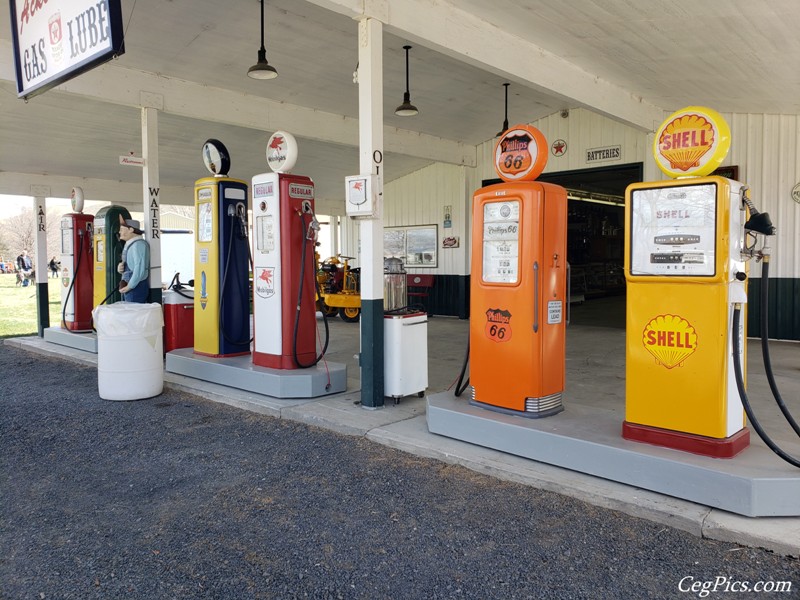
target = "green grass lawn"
x: 18, y: 306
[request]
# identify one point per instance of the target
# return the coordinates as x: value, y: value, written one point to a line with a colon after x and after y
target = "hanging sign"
x: 57, y: 40
x: 691, y: 142
x: 520, y: 154
x: 131, y: 161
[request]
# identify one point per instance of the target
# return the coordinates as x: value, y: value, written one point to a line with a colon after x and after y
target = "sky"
x: 13, y: 205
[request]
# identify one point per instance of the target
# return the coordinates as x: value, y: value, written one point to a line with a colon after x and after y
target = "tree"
x: 17, y: 233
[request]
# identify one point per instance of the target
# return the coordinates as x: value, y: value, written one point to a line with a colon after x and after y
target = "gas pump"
x: 687, y: 245
x: 518, y: 283
x: 76, y: 267
x: 685, y: 270
x: 107, y: 254
x: 222, y: 299
x: 284, y: 271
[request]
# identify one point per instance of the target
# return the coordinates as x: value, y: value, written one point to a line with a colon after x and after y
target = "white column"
x: 152, y: 202
x: 370, y: 135
x: 40, y: 193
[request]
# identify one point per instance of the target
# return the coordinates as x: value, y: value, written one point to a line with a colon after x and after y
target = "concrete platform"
x: 80, y: 341
x: 240, y: 372
x: 589, y: 440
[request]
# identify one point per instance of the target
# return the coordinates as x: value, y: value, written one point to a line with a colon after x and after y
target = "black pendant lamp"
x: 406, y: 109
x: 505, y: 121
x: 262, y: 69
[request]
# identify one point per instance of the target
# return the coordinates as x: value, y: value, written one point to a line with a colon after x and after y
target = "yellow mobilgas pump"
x: 685, y: 271
x: 222, y: 263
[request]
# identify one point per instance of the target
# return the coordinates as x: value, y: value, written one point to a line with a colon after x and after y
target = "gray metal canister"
x: 395, y: 294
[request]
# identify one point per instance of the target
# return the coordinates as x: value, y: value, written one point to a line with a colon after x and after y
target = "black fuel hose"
x: 461, y: 384
x: 765, y: 348
x: 299, y: 303
x: 737, y: 369
x: 81, y: 233
x: 223, y: 287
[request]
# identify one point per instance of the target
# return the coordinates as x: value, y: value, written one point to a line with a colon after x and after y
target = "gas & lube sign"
x: 56, y: 40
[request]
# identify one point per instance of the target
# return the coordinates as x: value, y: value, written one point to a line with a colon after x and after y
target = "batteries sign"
x: 520, y: 154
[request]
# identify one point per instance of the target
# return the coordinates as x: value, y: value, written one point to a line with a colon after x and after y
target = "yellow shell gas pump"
x: 685, y: 270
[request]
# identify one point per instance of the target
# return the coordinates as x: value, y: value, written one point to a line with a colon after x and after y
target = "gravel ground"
x: 178, y: 497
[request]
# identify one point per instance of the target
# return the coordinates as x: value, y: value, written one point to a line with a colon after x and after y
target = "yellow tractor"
x: 339, y: 288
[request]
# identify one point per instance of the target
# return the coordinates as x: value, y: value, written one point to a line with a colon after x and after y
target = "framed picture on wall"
x: 416, y: 246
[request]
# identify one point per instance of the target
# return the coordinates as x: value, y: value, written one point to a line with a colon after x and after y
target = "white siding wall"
x: 419, y: 199
x: 766, y: 149
x: 581, y: 130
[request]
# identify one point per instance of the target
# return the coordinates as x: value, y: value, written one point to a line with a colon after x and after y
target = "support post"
x: 40, y: 236
x: 370, y: 135
x: 152, y: 202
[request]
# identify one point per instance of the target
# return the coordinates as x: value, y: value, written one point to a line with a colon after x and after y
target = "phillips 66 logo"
x: 498, y: 325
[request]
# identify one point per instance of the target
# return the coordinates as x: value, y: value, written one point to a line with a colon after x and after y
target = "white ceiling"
x: 732, y: 55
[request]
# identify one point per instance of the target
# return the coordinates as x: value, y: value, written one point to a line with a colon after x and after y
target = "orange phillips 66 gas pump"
x: 284, y: 225
x: 685, y: 271
x: 518, y: 283
x: 222, y: 297
x: 76, y: 267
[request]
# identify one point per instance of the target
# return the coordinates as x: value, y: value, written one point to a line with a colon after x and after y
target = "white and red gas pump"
x: 76, y: 267
x: 284, y: 268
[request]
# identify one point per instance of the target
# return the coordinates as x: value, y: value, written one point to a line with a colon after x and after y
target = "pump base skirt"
x: 538, y: 414
x: 688, y: 442
x: 240, y: 372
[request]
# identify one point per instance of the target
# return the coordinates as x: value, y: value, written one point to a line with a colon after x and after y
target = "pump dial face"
x: 216, y: 157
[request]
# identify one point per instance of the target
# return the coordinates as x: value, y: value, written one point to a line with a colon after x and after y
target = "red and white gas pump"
x: 284, y: 268
x: 77, y: 266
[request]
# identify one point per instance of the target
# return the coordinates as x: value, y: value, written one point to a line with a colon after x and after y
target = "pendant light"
x: 406, y: 109
x: 505, y: 121
x: 262, y: 69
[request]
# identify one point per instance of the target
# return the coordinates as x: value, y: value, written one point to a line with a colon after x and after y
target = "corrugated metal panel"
x: 766, y: 148
x: 582, y: 130
x: 171, y: 220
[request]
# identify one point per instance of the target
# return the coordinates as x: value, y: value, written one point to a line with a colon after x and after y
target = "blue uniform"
x: 136, y: 262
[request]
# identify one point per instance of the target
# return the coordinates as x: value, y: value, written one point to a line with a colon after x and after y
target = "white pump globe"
x: 76, y: 199
x: 282, y: 152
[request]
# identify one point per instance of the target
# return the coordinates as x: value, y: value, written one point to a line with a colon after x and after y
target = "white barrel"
x: 130, y: 354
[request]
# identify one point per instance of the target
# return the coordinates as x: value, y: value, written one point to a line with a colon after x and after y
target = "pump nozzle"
x: 758, y: 222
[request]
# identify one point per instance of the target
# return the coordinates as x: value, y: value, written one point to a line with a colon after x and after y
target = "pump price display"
x: 501, y: 242
x: 673, y: 230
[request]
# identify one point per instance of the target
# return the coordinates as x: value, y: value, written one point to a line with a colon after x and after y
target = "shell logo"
x: 692, y: 141
x: 671, y: 339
